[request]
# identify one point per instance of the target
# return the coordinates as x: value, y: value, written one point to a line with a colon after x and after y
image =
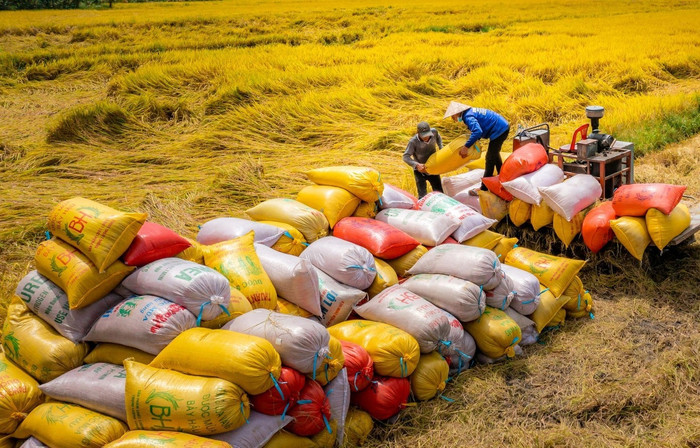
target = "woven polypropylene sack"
x: 237, y: 306
x: 37, y: 348
x: 495, y: 333
x: 547, y: 309
x: 428, y: 228
x: 541, y: 215
x: 311, y: 413
x: 460, y: 353
x: 528, y: 329
x: 301, y: 343
x: 633, y: 234
x: 31, y: 442
x: 62, y: 425
x: 358, y: 364
x: 526, y: 187
x: 471, y: 222
x: 558, y: 320
x: 477, y: 265
x: 202, y: 290
x: 346, y: 262
x: 448, y: 158
x: 393, y: 351
x: 338, y: 393
x: 492, y: 206
x: 248, y: 361
x: 159, y: 399
x: 483, y: 359
x: 663, y: 228
x: 153, y: 242
x: 470, y: 199
x: 256, y: 433
x: 366, y: 210
x: 332, y: 364
x: 49, y: 302
x: 503, y: 247
x: 101, y: 233
x: 239, y: 263
x: 116, y: 354
x: 527, y: 159
x: 502, y: 294
x: 573, y: 195
x: 309, y: 221
x: 581, y: 300
x: 358, y: 426
x: 637, y: 199
x: 20, y: 394
x: 430, y: 377
x: 404, y: 263
x: 486, y: 240
x: 568, y: 230
x: 384, y: 398
x: 77, y: 276
x: 451, y: 185
x: 495, y: 186
x: 519, y: 212
x: 98, y: 387
x: 411, y: 313
x: 595, y: 229
x: 337, y: 299
x: 395, y: 197
x: 386, y: 277
x: 584, y: 304
x: 326, y: 438
x: 363, y: 182
x: 153, y: 439
x: 146, y: 322
x: 381, y: 239
x: 554, y: 272
x: 287, y: 307
x: 279, y: 398
x: 194, y: 253
x: 224, y: 229
x: 460, y: 297
x: 526, y: 287
x: 291, y: 242
x: 335, y: 203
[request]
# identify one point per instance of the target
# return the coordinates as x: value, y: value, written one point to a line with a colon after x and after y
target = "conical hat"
x: 455, y: 108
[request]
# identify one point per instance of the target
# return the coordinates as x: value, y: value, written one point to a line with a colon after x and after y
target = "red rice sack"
x: 384, y: 398
x: 152, y: 243
x: 496, y: 187
x: 524, y: 160
x: 284, y: 395
x: 312, y: 411
x: 637, y: 199
x: 359, y: 365
x: 381, y: 239
x: 596, y: 228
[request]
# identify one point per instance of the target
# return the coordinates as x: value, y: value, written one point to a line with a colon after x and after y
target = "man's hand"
x: 421, y: 168
x: 464, y: 152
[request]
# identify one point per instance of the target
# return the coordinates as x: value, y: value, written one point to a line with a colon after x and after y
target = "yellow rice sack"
x: 632, y: 233
x: 430, y: 377
x: 291, y: 242
x: 75, y: 274
x: 309, y: 221
x: 247, y: 361
x: 495, y: 333
x: 285, y: 439
x: 116, y: 354
x: 36, y: 347
x: 325, y: 439
x: 663, y: 228
x: 238, y: 305
x: 567, y: 230
x: 358, y: 426
x: 480, y: 163
x: 556, y: 273
x: 287, y: 307
x: 405, y: 262
x: 101, y: 233
x: 386, y: 276
x: 335, y: 203
x: 19, y: 394
x: 63, y: 425
x: 166, y: 439
x: 332, y: 365
x: 492, y: 206
x: 366, y: 210
x: 394, y: 352
x: 363, y: 182
x: 486, y: 239
x: 503, y: 247
x: 448, y: 159
x: 194, y: 253
x: 586, y: 307
x: 239, y: 263
x: 581, y: 302
x: 541, y: 216
x: 519, y: 212
x: 163, y: 400
x: 548, y: 307
x: 557, y: 320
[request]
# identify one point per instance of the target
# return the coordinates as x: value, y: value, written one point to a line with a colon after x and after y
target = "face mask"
x: 459, y: 119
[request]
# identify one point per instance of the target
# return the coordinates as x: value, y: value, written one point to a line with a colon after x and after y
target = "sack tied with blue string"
x: 342, y: 260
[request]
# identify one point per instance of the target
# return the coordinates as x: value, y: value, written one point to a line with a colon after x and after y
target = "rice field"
x: 194, y: 110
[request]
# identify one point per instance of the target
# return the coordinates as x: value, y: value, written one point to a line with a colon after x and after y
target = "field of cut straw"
x: 190, y: 111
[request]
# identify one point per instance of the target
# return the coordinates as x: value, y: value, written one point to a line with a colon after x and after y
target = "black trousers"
x: 493, y: 156
x: 421, y: 184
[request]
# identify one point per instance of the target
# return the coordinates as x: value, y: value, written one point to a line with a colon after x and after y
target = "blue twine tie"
x: 328, y: 426
x: 47, y: 234
x: 243, y: 413
x: 354, y: 381
x: 304, y: 401
x: 277, y: 386
x: 284, y: 413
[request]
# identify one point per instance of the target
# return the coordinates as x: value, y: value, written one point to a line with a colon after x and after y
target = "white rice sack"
x: 393, y: 197
x: 429, y: 228
x: 122, y: 291
x: 205, y: 292
x: 460, y: 297
x: 99, y: 387
x: 451, y: 185
x: 462, y: 348
x: 526, y: 287
x: 32, y: 443
x: 301, y: 343
x: 526, y: 187
x: 483, y: 359
x: 294, y: 278
x: 346, y: 262
x: 145, y: 322
x: 467, y: 199
x: 257, y: 431
x: 527, y: 327
x: 475, y: 264
x: 573, y: 195
x: 471, y: 222
x: 338, y: 393
x: 503, y: 294
x: 224, y: 229
x: 337, y: 299
x: 411, y: 313
x: 48, y: 301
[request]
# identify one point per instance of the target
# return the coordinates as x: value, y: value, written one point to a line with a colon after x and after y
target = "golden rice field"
x: 201, y: 109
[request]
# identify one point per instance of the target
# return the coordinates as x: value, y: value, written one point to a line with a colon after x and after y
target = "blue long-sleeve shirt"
x: 483, y: 123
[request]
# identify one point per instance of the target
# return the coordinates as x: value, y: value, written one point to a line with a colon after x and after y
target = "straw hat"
x: 455, y: 108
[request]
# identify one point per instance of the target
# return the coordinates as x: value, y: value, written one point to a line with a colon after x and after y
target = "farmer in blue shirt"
x: 482, y: 123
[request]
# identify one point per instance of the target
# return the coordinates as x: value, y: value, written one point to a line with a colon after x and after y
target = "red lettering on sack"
x: 160, y: 318
x: 78, y: 222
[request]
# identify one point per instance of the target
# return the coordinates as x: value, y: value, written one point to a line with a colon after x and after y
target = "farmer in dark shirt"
x: 419, y: 149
